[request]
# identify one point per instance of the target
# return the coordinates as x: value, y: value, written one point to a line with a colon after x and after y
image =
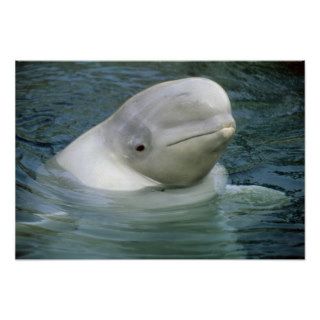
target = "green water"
x: 57, y: 101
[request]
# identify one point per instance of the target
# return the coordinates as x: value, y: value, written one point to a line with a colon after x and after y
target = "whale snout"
x: 229, y: 129
x: 227, y: 132
x: 219, y: 133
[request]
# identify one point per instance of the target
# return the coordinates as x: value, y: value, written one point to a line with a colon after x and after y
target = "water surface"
x: 58, y: 101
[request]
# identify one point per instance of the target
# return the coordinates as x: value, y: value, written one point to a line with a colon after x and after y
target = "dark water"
x: 56, y: 102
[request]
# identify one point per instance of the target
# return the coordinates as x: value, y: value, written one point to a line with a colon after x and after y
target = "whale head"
x: 173, y: 132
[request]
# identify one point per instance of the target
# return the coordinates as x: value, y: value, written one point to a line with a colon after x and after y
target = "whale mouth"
x: 227, y: 131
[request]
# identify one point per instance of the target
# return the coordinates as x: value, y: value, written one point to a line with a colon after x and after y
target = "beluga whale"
x: 170, y: 135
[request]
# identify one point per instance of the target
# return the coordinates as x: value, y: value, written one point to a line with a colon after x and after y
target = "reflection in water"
x: 56, y: 218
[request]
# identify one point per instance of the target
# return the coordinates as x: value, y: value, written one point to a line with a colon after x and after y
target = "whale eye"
x: 140, y: 147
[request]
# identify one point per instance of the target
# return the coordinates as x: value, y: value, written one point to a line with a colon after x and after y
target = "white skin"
x: 170, y: 134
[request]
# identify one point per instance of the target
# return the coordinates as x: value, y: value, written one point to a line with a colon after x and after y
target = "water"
x: 56, y: 102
